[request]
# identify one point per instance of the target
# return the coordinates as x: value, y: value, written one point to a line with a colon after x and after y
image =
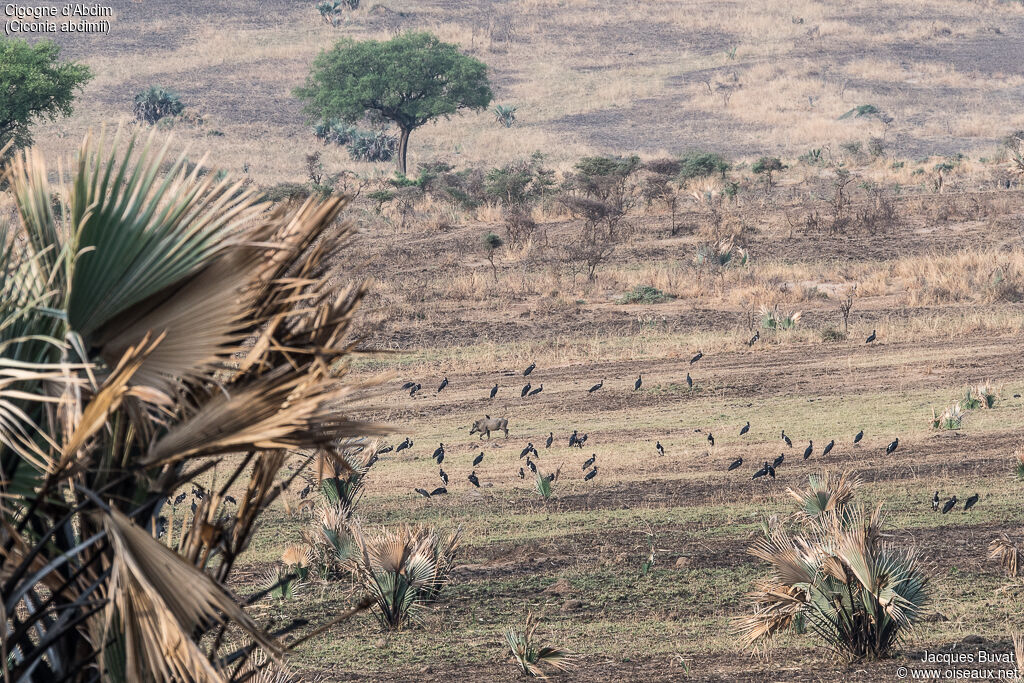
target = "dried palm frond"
x: 826, y: 492
x: 153, y: 325
x: 533, y: 659
x: 1006, y: 552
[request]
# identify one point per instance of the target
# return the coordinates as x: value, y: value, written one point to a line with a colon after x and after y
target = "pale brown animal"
x: 487, y: 424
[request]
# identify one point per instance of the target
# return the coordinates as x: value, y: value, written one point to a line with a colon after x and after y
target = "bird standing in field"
x: 537, y: 390
x: 494, y: 390
x: 828, y: 447
x: 386, y: 449
x: 525, y: 391
x: 779, y: 460
x: 412, y: 392
x: 969, y: 503
x: 809, y: 449
x: 526, y: 451
x: 572, y: 439
x: 444, y: 383
x: 439, y: 491
x: 180, y: 498
x: 789, y: 441
x: 935, y: 502
x: 892, y: 446
x: 753, y: 340
x: 856, y: 439
x: 551, y: 439
x: 589, y: 462
x: 444, y: 477
x: 473, y: 479
x: 950, y: 504
x: 638, y: 383
x: 738, y: 462
x: 871, y: 337
x: 405, y: 444
x: 528, y: 370
x: 478, y: 459
x: 711, y: 439
x: 689, y: 381
x: 745, y: 429
x: 439, y: 451
x: 595, y: 387
x: 531, y: 465
x: 423, y: 492
x: 591, y: 474
x: 522, y: 474
x: 408, y: 385
x: 700, y: 354
x: 661, y: 449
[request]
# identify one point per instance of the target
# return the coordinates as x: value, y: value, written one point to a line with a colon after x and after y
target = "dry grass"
x: 631, y: 88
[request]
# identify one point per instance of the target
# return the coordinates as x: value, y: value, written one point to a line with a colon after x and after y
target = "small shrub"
x: 535, y: 660
x: 832, y: 334
x: 777, y: 319
x: 1018, y: 462
x: 861, y: 110
x: 767, y: 166
x: 505, y: 115
x: 155, y: 103
x: 702, y: 165
x: 543, y: 484
x: 372, y: 146
x: 951, y: 418
x: 812, y: 157
x: 282, y: 582
x: 644, y: 294
x: 832, y: 565
x: 519, y: 226
x: 720, y: 255
x: 402, y: 569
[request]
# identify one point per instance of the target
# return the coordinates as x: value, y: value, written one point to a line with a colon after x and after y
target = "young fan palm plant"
x: 155, y: 328
x: 533, y: 659
x: 858, y: 593
x: 402, y: 568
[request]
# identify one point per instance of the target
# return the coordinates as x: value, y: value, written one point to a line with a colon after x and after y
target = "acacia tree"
x: 411, y: 80
x: 34, y: 85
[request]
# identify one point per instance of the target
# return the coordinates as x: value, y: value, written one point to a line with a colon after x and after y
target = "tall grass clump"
x: 831, y: 566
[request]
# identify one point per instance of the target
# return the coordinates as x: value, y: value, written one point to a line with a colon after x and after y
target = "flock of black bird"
x: 767, y: 469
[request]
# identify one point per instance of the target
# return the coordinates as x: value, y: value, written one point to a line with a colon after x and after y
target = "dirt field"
x: 941, y: 285
x: 575, y: 559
